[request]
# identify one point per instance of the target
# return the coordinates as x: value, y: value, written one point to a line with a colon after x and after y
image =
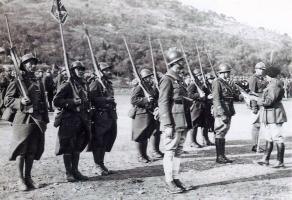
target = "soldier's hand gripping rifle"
x: 137, y: 75
x: 60, y: 13
x: 194, y: 79
x: 156, y: 81
x: 16, y: 64
x: 96, y: 66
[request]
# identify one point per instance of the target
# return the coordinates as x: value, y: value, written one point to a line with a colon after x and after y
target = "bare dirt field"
x: 132, y: 180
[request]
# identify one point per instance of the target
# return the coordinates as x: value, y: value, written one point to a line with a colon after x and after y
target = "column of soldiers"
x: 87, y: 117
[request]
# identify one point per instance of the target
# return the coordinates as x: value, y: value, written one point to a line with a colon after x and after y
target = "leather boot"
x: 194, y: 142
x: 21, y: 182
x: 140, y: 153
x: 155, y: 141
x: 280, y: 155
x: 206, y: 137
x: 28, y: 167
x: 67, y: 158
x: 223, y: 151
x: 182, y: 185
x: 172, y: 188
x: 76, y: 173
x: 266, y: 158
x: 219, y: 158
x: 98, y: 156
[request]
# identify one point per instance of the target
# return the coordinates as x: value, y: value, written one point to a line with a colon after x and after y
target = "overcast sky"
x: 275, y: 15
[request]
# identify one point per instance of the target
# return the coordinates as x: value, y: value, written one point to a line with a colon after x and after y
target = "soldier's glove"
x: 110, y: 100
x: 77, y: 101
x: 25, y: 101
x: 169, y: 132
x: 210, y: 96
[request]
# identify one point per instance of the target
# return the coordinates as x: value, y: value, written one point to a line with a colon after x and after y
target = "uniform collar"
x: 174, y: 75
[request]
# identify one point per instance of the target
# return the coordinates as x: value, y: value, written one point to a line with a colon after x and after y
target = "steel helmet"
x: 103, y: 65
x: 77, y: 64
x: 173, y: 55
x: 260, y: 65
x: 224, y: 68
x: 27, y: 58
x: 197, y: 72
x: 145, y: 73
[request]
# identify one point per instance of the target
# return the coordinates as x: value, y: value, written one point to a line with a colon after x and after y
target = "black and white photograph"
x: 145, y: 100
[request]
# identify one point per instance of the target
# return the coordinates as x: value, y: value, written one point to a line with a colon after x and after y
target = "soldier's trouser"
x: 272, y: 133
x: 255, y: 131
x: 173, y: 151
x: 221, y: 126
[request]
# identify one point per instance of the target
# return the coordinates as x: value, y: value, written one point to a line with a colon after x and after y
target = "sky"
x: 275, y: 15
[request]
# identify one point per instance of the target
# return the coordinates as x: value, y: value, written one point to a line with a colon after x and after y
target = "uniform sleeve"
x: 64, y: 97
x: 253, y: 88
x: 165, y: 103
x: 216, y: 93
x: 138, y: 98
x: 271, y: 95
x: 12, y: 97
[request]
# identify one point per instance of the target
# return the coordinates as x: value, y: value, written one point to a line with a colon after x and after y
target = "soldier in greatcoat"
x: 73, y: 121
x: 175, y: 119
x: 224, y: 93
x: 257, y: 85
x: 104, y: 117
x: 144, y: 124
x: 29, y: 123
x: 4, y: 82
x: 200, y: 110
x: 272, y: 117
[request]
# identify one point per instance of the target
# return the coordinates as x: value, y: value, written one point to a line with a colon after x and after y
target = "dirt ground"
x: 132, y: 180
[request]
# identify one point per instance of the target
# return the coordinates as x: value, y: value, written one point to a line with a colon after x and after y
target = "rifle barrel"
x: 162, y: 51
x: 153, y: 64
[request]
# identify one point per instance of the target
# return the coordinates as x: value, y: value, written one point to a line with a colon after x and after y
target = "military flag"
x: 59, y: 11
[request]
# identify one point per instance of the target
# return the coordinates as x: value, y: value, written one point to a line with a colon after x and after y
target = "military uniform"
x: 29, y: 123
x: 174, y: 113
x: 224, y: 94
x: 272, y: 116
x: 4, y: 82
x: 104, y: 130
x: 50, y: 89
x: 256, y: 86
x: 74, y: 122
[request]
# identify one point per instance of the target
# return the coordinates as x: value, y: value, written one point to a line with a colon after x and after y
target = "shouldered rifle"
x: 162, y: 51
x: 96, y: 67
x: 16, y: 63
x: 193, y: 77
x: 211, y: 65
x: 153, y: 65
x: 140, y: 81
x: 201, y: 68
x: 59, y: 19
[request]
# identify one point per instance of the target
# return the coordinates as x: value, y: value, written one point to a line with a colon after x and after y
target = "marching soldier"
x: 272, y: 116
x: 61, y: 78
x: 73, y: 135
x: 256, y: 86
x: 175, y: 119
x: 143, y: 124
x: 223, y: 109
x: 29, y: 123
x: 104, y: 131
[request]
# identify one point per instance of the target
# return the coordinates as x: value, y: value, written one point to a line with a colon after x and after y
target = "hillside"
x: 34, y: 29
